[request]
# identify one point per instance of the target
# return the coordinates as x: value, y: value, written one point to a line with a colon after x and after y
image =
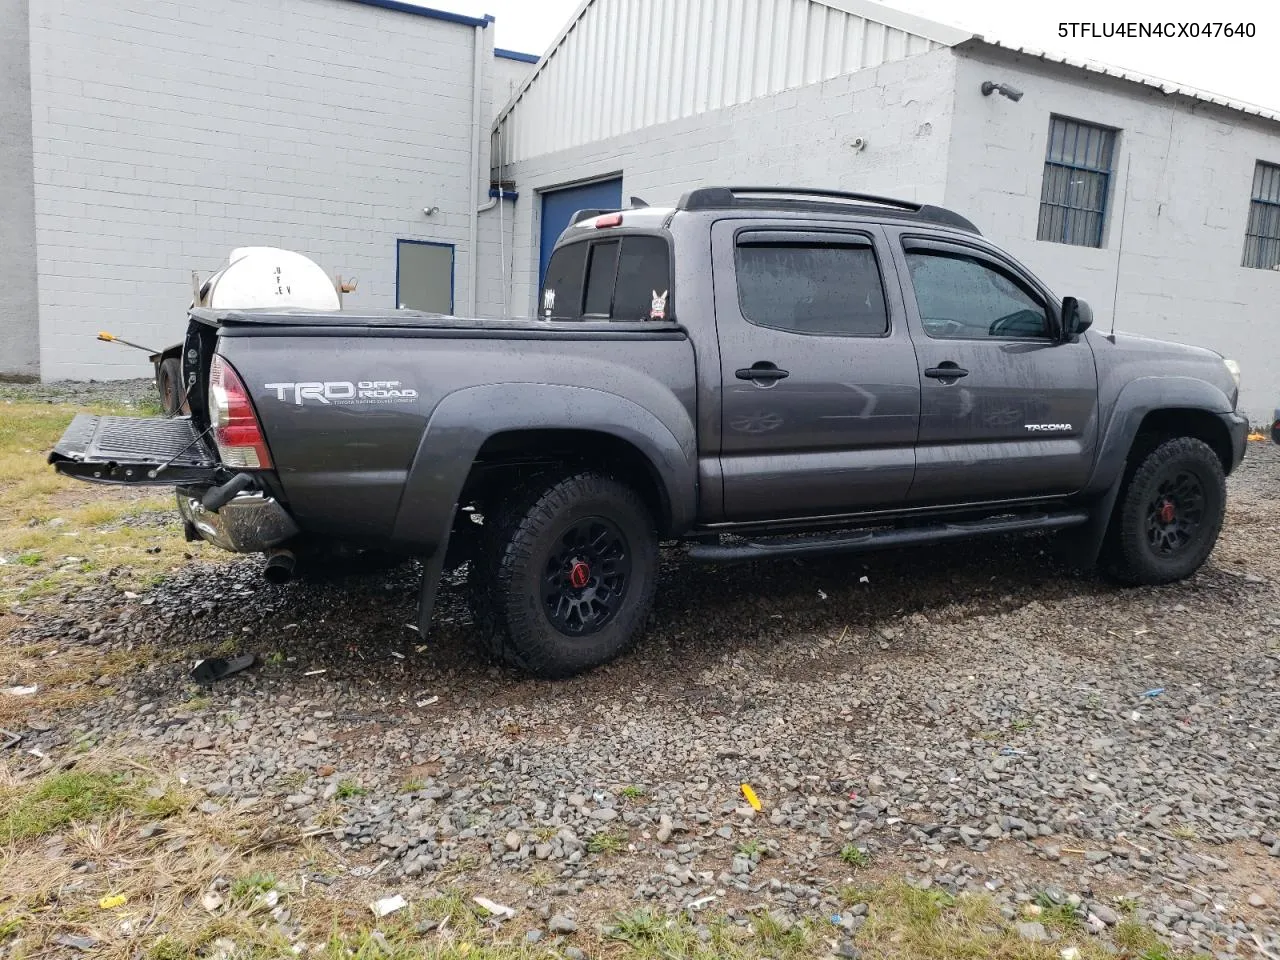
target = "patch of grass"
x: 632, y: 792
x: 783, y: 939
x: 607, y: 841
x: 169, y: 948
x: 199, y: 702
x: 349, y: 790
x: 749, y: 848
x: 60, y: 800
x: 412, y: 786
x: 30, y: 559
x: 1185, y: 831
x: 1020, y: 724
x: 161, y: 804
x: 10, y: 927
x: 855, y: 856
x: 275, y: 658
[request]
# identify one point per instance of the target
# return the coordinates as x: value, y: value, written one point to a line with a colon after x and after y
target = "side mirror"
x: 1077, y: 317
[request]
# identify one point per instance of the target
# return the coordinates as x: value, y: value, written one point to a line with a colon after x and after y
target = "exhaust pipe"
x: 279, y: 568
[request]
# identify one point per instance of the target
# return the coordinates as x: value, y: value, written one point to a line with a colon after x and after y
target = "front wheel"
x: 565, y: 574
x: 1169, y: 514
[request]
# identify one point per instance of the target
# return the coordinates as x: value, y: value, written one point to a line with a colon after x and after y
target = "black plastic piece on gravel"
x: 219, y: 668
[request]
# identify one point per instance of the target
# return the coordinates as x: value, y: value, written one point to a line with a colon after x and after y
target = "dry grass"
x: 57, y: 533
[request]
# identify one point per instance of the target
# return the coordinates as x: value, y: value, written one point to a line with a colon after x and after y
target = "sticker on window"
x: 548, y: 301
x: 658, y: 305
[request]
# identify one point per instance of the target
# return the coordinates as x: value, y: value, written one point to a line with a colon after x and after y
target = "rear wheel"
x: 169, y: 386
x: 1169, y: 514
x: 564, y: 574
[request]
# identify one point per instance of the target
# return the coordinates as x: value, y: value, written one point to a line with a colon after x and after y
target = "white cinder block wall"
x: 1190, y: 183
x: 799, y: 137
x: 167, y: 133
x: 18, y: 297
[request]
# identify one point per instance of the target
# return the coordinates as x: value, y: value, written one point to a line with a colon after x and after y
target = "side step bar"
x: 859, y: 541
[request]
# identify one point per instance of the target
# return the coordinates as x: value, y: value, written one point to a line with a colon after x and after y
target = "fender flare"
x: 1135, y: 400
x: 464, y: 420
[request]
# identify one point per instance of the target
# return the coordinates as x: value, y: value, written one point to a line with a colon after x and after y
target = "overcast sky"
x: 1243, y: 69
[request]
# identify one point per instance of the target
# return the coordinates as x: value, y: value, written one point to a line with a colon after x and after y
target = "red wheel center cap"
x: 579, y: 575
x: 1167, y: 512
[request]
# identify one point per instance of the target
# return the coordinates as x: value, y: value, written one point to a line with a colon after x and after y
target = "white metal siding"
x: 625, y: 65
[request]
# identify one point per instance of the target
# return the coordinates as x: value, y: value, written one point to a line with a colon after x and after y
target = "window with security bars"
x: 1077, y: 178
x: 1262, y: 235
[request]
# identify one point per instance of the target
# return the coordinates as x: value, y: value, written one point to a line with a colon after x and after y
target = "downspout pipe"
x: 477, y: 83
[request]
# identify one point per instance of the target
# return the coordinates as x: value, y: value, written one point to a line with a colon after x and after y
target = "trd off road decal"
x: 338, y: 392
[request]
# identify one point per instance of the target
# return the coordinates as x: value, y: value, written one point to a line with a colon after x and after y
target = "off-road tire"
x: 518, y: 541
x: 1129, y: 555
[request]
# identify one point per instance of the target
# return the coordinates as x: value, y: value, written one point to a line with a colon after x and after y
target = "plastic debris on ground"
x: 113, y: 901
x: 496, y: 909
x: 219, y: 668
x: 20, y: 691
x: 1154, y: 692
x: 751, y: 797
x: 388, y: 905
x: 428, y: 702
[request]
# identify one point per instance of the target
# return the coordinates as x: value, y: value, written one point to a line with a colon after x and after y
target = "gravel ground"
x: 118, y: 393
x: 972, y: 718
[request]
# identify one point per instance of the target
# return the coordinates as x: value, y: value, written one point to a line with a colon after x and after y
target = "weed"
x: 275, y: 658
x: 169, y: 948
x: 1132, y: 937
x: 540, y: 877
x: 1185, y: 831
x: 30, y: 559
x: 1058, y: 916
x: 245, y: 889
x: 1020, y: 724
x: 199, y: 702
x: 749, y: 848
x: 638, y: 928
x: 10, y: 928
x: 161, y: 806
x: 607, y: 841
x: 632, y: 792
x: 349, y: 790
x: 412, y: 786
x: 855, y: 856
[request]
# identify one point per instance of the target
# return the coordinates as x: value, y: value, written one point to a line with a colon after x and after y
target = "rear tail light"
x: 236, y: 430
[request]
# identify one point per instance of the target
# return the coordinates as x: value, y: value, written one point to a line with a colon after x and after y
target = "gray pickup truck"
x: 754, y: 373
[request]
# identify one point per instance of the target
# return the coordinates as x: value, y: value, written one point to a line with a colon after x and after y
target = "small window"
x: 562, y: 289
x: 812, y: 288
x: 1077, y: 178
x: 1262, y: 235
x: 602, y: 272
x: 965, y: 298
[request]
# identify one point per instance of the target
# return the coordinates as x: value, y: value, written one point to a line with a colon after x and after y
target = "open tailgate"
x: 151, y: 451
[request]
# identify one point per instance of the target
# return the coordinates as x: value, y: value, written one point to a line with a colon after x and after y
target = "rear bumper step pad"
x: 134, y: 450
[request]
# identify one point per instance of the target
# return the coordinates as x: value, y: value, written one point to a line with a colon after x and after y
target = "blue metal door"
x: 559, y: 205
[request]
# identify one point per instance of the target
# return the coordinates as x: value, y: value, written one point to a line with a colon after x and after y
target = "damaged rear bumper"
x: 248, y: 523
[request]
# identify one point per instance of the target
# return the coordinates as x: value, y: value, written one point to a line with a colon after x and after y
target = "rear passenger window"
x: 562, y: 288
x: 644, y: 280
x: 628, y: 278
x: 817, y: 288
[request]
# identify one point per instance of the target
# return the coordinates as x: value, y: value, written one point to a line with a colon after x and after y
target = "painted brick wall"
x: 18, y: 291
x: 167, y: 133
x: 1189, y: 187
x: 800, y: 137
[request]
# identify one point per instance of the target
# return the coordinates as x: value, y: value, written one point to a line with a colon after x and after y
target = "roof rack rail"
x: 720, y: 198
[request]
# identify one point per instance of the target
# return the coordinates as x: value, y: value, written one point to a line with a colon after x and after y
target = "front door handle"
x: 948, y: 371
x: 762, y: 370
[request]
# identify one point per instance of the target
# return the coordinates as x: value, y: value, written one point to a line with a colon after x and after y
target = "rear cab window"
x: 625, y: 278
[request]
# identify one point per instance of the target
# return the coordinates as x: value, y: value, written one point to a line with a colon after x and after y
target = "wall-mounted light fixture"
x: 1004, y: 89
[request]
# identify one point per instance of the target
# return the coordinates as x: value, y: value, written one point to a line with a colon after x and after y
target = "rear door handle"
x: 762, y: 370
x: 947, y: 370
